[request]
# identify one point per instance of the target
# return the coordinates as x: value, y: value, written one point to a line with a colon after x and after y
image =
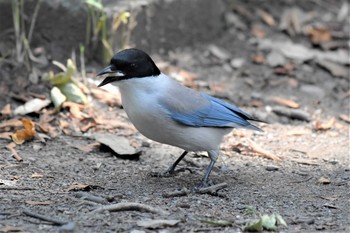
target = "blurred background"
x: 284, y: 61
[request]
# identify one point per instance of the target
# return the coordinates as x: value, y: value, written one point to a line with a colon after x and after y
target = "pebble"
x: 237, y: 62
x: 68, y: 227
x: 271, y: 168
x: 274, y: 59
x: 136, y: 231
x: 313, y: 91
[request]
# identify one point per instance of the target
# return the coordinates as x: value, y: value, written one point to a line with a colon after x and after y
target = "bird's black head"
x: 129, y: 63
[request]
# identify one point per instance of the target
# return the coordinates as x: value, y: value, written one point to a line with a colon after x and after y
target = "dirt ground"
x: 308, y: 184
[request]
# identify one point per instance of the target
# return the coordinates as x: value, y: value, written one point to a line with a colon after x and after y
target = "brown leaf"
x: 324, y: 125
x: 88, y: 148
x: 258, y: 32
x: 8, y: 229
x: 87, y: 126
x: 181, y: 75
x: 74, y: 109
x: 258, y: 58
x: 319, y: 35
x: 5, y: 135
x: 25, y: 134
x: 63, y: 124
x: 266, y: 17
x: 324, y: 180
x: 6, y: 110
x: 12, y: 123
x: 344, y: 117
x: 286, y: 69
x: 256, y: 103
x: 254, y: 149
x: 285, y: 102
x: 78, y: 187
x: 37, y: 175
x: 12, y: 147
x: 218, y: 88
x: 111, y: 99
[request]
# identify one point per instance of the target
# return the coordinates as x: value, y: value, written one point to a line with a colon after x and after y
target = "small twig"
x: 301, y: 181
x: 126, y: 206
x: 292, y: 113
x: 262, y: 152
x: 211, y: 229
x: 11, y: 148
x: 177, y: 193
x: 90, y: 197
x: 43, y: 217
x: 212, y: 189
x: 34, y: 17
x: 15, y: 188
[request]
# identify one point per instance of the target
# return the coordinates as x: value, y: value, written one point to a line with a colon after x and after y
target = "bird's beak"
x: 111, y: 74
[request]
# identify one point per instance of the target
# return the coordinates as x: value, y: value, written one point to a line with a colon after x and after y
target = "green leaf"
x: 250, y: 210
x: 280, y: 220
x: 73, y: 93
x: 256, y: 226
x: 58, y: 79
x: 57, y: 97
x: 266, y: 222
x: 94, y: 3
x: 269, y: 222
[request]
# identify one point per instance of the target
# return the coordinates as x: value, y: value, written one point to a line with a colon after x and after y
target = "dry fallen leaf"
x: 78, y: 187
x: 286, y: 69
x: 63, y: 124
x: 256, y: 103
x: 285, y: 102
x: 183, y: 76
x: 266, y: 17
x: 111, y: 99
x: 6, y: 110
x: 119, y: 145
x: 88, y: 148
x: 324, y: 125
x: 324, y: 180
x: 254, y: 149
x: 5, y: 135
x: 25, y: 134
x: 319, y: 35
x: 12, y: 147
x: 74, y: 109
x: 12, y: 123
x: 8, y: 229
x: 258, y: 32
x: 344, y: 117
x: 37, y: 175
x: 258, y: 58
x: 30, y: 106
x: 84, y: 128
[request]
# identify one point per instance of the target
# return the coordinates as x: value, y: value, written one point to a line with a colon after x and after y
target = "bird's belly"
x: 156, y: 124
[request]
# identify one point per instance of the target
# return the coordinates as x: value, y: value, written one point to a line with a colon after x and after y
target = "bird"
x: 168, y: 112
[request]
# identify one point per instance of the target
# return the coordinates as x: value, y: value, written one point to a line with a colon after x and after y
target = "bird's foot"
x: 170, y: 172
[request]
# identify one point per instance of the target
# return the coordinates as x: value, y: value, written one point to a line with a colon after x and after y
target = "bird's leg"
x: 171, y: 170
x: 213, y: 154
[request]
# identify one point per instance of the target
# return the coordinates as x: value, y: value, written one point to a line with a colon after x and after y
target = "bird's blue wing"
x: 217, y: 113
